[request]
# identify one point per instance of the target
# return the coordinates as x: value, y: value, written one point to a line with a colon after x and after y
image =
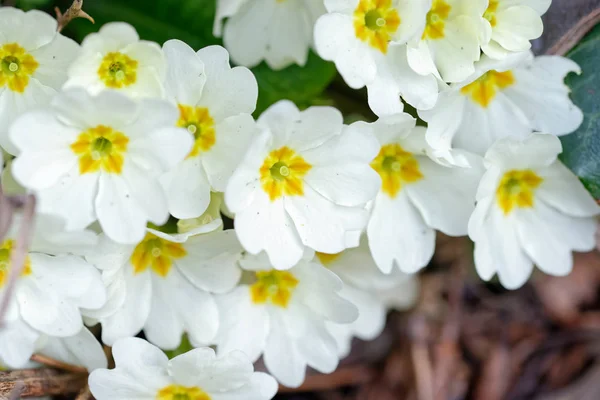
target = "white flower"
x: 215, y: 102
x: 396, y: 79
x: 358, y: 36
x: 530, y: 210
x: 513, y: 97
x: 282, y: 316
x: 514, y: 23
x: 52, y: 290
x: 18, y: 342
x: 115, y: 58
x: 417, y: 197
x: 304, y: 182
x: 99, y: 158
x: 279, y: 32
x: 143, y: 372
x: 33, y: 63
x: 366, y: 287
x: 162, y: 285
x: 450, y: 42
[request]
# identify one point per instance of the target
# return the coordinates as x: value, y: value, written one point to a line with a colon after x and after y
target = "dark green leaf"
x: 582, y: 148
x: 192, y: 22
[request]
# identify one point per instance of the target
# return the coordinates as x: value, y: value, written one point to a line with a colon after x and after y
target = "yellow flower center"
x: 484, y: 89
x: 100, y: 148
x: 156, y: 253
x: 16, y: 66
x: 436, y: 20
x: 5, y: 252
x: 326, y: 258
x: 375, y: 21
x: 274, y: 287
x: 490, y: 13
x: 516, y: 189
x: 178, y: 392
x: 118, y: 70
x: 200, y: 124
x: 282, y: 173
x: 395, y: 166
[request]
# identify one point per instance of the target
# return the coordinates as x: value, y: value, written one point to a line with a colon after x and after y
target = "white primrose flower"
x: 282, y: 315
x: 450, y: 42
x: 365, y: 39
x: 417, y: 196
x: 304, y: 182
x: 115, y: 58
x: 278, y: 32
x: 531, y: 209
x: 33, y: 63
x: 99, y: 158
x: 215, y: 102
x: 370, y: 290
x: 51, y: 292
x: 143, y: 372
x: 513, y: 97
x: 514, y: 23
x: 163, y: 284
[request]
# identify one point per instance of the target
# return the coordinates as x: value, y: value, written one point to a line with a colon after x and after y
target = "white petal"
x: 185, y: 73
x: 211, y: 261
x: 281, y: 355
x: 321, y: 224
x: 228, y: 91
x: 498, y: 250
x: 244, y: 184
x: 555, y: 235
x: 246, y: 34
x: 260, y: 387
x: 554, y: 112
x: 17, y: 341
x: 243, y: 325
x: 398, y: 235
x: 335, y: 40
x: 445, y: 197
x: 130, y: 319
x: 72, y: 198
x: 164, y: 326
x: 234, y: 135
x: 118, y: 211
x: 49, y: 313
x: 562, y: 190
x: 537, y: 150
x: 187, y: 189
x: 76, y: 281
x: 82, y: 349
x: 200, y: 367
x: 54, y: 60
x: 279, y: 236
x: 455, y: 54
x: 396, y: 78
x: 318, y: 347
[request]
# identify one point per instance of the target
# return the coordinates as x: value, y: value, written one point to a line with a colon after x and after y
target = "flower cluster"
x: 119, y: 137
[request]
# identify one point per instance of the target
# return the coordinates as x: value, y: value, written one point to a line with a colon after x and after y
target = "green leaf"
x: 192, y: 21
x: 582, y: 148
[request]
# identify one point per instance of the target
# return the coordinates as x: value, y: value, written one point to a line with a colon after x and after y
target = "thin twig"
x: 50, y: 362
x: 18, y: 254
x: 75, y: 11
x: 41, y: 382
x: 575, y: 34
